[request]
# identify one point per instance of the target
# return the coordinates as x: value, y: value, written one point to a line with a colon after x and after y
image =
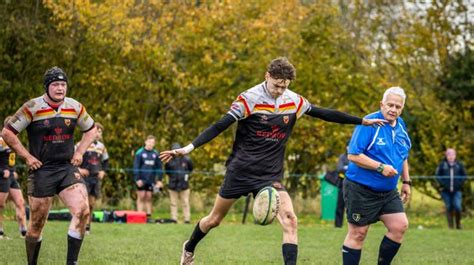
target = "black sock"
x: 88, y: 227
x: 350, y: 256
x: 290, y: 253
x: 388, y: 249
x: 32, y: 250
x: 195, y: 238
x: 73, y: 248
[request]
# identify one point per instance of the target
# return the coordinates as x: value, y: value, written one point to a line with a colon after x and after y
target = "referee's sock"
x: 388, y: 249
x: 195, y: 238
x: 74, y: 242
x: 350, y: 256
x: 290, y: 253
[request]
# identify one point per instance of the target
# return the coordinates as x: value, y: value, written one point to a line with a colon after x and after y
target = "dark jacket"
x: 451, y: 177
x: 178, y: 170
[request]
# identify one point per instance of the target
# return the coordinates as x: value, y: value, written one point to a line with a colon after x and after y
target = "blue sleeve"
x: 137, y: 165
x: 361, y: 139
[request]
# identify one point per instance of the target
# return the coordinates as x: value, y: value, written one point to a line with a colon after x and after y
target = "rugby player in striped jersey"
x: 50, y: 121
x: 265, y: 116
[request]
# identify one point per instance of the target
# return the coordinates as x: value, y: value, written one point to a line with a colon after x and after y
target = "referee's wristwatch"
x: 407, y: 182
x: 380, y: 168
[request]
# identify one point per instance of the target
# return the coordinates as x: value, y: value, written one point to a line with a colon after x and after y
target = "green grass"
x: 233, y: 243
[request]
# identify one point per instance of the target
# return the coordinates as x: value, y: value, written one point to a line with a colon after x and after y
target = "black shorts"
x: 8, y: 183
x: 93, y: 185
x: 51, y: 180
x: 236, y: 185
x: 365, y: 206
x: 147, y: 186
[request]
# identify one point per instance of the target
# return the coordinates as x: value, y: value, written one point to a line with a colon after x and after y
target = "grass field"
x: 234, y: 243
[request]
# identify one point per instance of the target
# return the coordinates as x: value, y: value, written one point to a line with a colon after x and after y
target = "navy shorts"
x: 236, y: 185
x: 147, y: 186
x: 8, y: 183
x: 51, y: 180
x: 93, y: 185
x: 365, y: 206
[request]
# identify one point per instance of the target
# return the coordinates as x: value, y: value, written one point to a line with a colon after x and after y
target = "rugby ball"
x: 266, y: 205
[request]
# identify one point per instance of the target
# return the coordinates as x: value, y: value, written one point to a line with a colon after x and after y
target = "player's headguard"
x: 53, y: 74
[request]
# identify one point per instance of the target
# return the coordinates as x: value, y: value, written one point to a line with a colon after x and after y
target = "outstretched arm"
x: 340, y: 117
x: 207, y: 135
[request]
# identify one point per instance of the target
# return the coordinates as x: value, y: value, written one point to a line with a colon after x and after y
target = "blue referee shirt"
x: 386, y: 144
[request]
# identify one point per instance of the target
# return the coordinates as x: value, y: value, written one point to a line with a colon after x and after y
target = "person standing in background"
x: 451, y: 176
x: 178, y: 171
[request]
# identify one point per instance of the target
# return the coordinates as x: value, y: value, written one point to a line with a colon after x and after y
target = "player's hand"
x: 101, y: 174
x: 84, y: 172
x: 159, y: 184
x: 6, y: 173
x: 76, y: 159
x: 370, y: 122
x: 389, y: 171
x: 139, y: 183
x: 406, y: 193
x: 15, y: 175
x: 166, y: 156
x: 33, y: 163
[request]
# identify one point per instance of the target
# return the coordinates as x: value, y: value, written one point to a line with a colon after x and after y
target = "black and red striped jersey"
x: 95, y: 158
x: 264, y: 126
x: 51, y: 130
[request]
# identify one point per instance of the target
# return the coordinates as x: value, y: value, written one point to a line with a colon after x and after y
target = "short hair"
x: 7, y: 119
x: 394, y: 91
x: 149, y: 137
x: 281, y: 68
x: 99, y: 126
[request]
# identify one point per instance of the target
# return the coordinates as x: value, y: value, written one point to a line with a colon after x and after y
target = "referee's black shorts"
x: 365, y: 206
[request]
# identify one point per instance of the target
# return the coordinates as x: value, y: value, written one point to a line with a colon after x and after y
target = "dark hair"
x: 281, y: 68
x: 99, y: 126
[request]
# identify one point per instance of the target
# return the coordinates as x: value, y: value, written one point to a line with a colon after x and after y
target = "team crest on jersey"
x: 58, y: 130
x: 67, y: 122
x: 46, y: 122
x: 356, y: 217
x: 380, y: 141
x: 286, y: 119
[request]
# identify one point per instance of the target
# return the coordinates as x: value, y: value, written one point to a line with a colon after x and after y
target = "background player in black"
x: 94, y: 165
x: 266, y: 115
x: 9, y: 186
x: 50, y: 121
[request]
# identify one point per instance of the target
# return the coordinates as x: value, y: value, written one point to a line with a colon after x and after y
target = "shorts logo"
x: 286, y: 119
x: 380, y: 141
x: 356, y: 217
x: 67, y: 122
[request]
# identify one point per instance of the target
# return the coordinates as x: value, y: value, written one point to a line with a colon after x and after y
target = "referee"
x: 379, y: 157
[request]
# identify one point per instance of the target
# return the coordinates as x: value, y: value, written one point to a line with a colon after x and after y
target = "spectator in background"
x: 94, y: 164
x: 451, y: 176
x: 147, y: 173
x: 341, y: 169
x: 178, y: 170
x: 9, y: 186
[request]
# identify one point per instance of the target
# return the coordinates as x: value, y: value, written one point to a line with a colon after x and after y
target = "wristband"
x: 188, y: 148
x: 407, y: 182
